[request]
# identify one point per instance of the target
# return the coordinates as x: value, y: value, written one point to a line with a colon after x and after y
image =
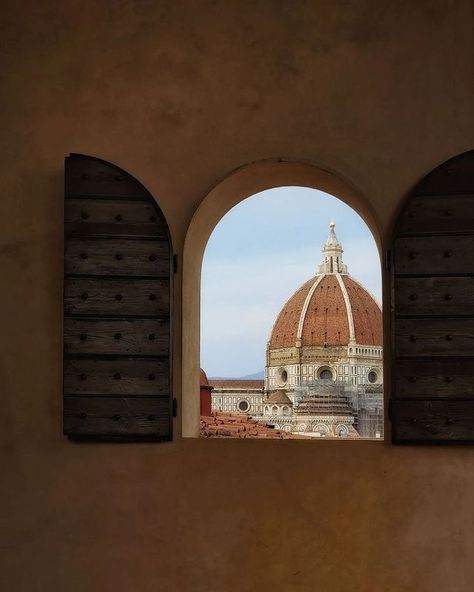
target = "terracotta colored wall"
x: 179, y: 93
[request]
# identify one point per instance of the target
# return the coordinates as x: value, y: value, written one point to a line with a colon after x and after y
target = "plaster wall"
x: 180, y: 94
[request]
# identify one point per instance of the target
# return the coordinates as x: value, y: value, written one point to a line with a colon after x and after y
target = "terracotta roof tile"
x: 279, y: 397
x: 226, y: 425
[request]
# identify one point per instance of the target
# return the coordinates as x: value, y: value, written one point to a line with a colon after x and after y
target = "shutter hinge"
x: 175, y: 408
x: 175, y: 263
x: 388, y: 260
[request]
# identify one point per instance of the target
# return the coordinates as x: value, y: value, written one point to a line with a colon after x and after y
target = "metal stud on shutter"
x: 117, y: 296
x: 433, y: 309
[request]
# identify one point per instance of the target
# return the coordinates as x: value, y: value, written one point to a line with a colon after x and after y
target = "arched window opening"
x: 260, y: 341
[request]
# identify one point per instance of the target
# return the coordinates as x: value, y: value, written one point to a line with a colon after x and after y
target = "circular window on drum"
x: 282, y: 376
x: 243, y: 405
x: 372, y: 376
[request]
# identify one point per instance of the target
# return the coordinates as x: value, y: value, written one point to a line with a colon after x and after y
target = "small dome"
x: 279, y: 397
x: 203, y: 381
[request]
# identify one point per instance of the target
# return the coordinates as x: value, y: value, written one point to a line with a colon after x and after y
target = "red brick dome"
x: 332, y: 310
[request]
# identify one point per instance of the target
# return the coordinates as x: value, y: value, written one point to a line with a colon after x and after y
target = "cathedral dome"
x: 331, y: 309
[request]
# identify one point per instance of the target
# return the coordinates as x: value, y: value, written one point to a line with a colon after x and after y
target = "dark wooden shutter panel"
x: 117, y: 302
x: 433, y: 309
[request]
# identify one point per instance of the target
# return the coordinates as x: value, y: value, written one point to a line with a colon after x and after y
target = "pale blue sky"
x: 258, y: 256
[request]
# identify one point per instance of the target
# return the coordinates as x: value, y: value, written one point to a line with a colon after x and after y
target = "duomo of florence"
x: 323, y: 372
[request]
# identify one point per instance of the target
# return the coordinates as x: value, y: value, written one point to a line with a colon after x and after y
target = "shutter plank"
x: 434, y: 337
x: 132, y: 377
x: 435, y: 378
x: 433, y: 421
x: 430, y: 255
x: 116, y: 297
x: 92, y: 177
x: 95, y: 217
x: 117, y: 416
x: 118, y: 257
x: 437, y: 214
x: 434, y: 296
x: 454, y: 176
x: 139, y: 337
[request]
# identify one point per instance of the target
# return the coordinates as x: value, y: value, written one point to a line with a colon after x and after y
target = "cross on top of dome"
x: 332, y: 254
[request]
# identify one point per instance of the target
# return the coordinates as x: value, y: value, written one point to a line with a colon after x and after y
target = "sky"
x: 259, y: 254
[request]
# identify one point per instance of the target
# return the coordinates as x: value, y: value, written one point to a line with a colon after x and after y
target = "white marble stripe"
x: 350, y: 318
x: 306, y: 304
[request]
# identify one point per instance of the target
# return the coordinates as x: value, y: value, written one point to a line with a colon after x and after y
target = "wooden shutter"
x: 433, y: 309
x: 117, y: 299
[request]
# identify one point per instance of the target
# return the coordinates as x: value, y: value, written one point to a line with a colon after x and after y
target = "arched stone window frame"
x: 234, y: 188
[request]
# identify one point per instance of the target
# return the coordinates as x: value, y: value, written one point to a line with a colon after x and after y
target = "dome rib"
x: 368, y: 317
x: 306, y: 305
x: 347, y: 302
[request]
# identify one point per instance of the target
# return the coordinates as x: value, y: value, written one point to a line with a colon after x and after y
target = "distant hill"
x: 256, y: 376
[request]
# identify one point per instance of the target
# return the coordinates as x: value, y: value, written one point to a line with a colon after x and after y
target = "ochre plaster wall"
x: 180, y: 93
